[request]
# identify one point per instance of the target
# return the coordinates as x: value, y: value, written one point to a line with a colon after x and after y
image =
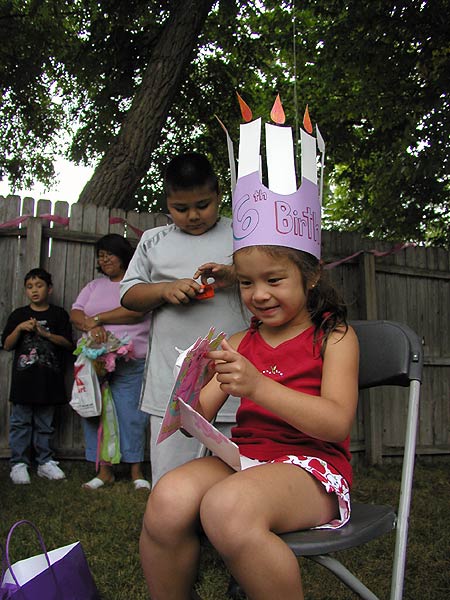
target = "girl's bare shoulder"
x: 235, y: 339
x: 344, y: 336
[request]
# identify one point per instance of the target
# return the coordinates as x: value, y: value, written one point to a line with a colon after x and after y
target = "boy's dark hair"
x: 189, y: 171
x: 115, y: 244
x: 41, y: 273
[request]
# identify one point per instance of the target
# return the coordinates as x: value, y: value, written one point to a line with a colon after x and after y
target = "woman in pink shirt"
x: 96, y: 311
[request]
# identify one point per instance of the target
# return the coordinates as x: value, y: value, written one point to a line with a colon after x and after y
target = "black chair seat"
x: 367, y: 522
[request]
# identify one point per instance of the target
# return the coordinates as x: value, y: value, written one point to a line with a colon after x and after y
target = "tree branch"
x: 121, y: 169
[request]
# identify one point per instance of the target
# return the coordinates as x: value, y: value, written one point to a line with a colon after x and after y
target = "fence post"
x: 31, y: 258
x: 33, y: 246
x: 373, y: 427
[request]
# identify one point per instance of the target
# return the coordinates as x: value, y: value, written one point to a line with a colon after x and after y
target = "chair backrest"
x: 390, y: 353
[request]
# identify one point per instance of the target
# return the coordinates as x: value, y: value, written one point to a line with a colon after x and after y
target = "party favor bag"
x: 61, y: 574
x: 108, y: 435
x: 86, y: 394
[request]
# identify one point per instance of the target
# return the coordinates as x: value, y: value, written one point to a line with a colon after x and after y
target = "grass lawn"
x: 108, y: 521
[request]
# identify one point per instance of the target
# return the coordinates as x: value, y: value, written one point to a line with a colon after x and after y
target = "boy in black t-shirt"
x: 40, y: 334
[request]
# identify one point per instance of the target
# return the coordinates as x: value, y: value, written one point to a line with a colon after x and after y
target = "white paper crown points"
x: 281, y: 213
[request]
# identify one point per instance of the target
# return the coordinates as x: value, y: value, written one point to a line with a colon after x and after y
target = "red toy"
x: 206, y: 291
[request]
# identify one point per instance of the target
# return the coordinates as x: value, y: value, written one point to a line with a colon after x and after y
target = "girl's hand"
x: 181, y: 291
x: 223, y: 275
x: 236, y: 375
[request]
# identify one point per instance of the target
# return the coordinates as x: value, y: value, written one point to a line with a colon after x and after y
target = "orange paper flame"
x: 245, y: 110
x: 277, y: 113
x: 307, y: 121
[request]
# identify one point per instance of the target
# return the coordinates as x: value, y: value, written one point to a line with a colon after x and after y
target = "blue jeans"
x: 125, y: 384
x: 31, y: 425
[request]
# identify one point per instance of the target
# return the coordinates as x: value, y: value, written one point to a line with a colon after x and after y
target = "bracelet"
x: 97, y: 319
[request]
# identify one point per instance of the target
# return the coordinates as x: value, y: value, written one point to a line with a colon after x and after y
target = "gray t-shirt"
x: 167, y: 254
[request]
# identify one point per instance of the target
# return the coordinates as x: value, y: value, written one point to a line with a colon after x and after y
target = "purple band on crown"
x: 264, y: 218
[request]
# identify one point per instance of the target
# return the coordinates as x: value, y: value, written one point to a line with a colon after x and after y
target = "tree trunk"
x: 124, y: 164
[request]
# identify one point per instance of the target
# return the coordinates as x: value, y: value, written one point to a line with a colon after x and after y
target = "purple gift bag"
x: 61, y: 574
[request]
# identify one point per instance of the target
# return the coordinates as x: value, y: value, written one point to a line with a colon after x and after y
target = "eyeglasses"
x: 105, y: 256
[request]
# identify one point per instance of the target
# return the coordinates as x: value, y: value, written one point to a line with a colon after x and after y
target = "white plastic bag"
x: 86, y: 394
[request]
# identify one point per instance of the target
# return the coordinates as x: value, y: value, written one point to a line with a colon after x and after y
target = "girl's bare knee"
x: 218, y: 504
x: 224, y: 516
x: 171, y: 508
x: 156, y: 521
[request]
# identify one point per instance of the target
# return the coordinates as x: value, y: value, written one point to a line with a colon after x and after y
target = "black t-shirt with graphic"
x: 38, y: 365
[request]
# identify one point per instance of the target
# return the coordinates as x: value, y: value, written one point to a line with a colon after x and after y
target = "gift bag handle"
x: 41, y: 542
x: 3, y: 571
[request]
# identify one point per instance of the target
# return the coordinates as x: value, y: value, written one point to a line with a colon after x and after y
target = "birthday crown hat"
x: 279, y: 214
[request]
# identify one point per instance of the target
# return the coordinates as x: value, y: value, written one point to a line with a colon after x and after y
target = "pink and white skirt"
x: 333, y: 482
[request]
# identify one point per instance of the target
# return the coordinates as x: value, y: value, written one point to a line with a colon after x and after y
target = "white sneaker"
x: 50, y: 470
x: 19, y: 474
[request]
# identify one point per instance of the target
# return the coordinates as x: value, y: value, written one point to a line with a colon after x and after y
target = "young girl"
x: 296, y: 371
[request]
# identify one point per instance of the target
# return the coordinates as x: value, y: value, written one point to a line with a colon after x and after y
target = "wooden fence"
x: 411, y: 286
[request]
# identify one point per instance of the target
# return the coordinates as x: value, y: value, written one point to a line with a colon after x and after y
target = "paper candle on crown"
x: 279, y: 214
x: 279, y: 149
x: 309, y: 150
x: 249, y: 142
x: 280, y: 153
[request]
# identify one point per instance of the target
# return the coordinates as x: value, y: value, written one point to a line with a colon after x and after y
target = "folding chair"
x: 390, y: 354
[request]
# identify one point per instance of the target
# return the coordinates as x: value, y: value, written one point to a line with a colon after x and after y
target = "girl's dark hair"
x: 325, y: 305
x: 41, y: 274
x: 189, y: 171
x: 115, y: 244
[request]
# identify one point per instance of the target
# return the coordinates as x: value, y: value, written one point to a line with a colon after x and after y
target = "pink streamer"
x: 378, y: 253
x: 14, y: 222
x: 46, y: 217
x: 116, y: 220
x: 55, y: 218
x: 65, y: 221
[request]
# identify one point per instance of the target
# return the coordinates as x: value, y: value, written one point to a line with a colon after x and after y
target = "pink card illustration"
x: 195, y: 371
x: 195, y: 424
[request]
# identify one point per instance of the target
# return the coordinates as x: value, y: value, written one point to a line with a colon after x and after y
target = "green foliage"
x: 68, y: 72
x: 374, y: 74
x: 32, y: 80
x: 387, y: 116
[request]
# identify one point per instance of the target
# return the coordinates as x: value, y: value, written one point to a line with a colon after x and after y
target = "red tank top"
x: 260, y: 434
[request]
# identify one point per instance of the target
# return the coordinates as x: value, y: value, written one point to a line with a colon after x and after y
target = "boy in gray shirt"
x: 159, y: 278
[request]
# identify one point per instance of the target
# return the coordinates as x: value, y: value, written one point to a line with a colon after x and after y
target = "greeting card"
x: 195, y: 372
x: 195, y: 424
